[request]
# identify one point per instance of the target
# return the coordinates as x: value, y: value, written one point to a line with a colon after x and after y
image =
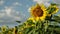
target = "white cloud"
x: 41, y: 1
x: 8, y: 10
x: 2, y: 14
x: 17, y: 3
x: 9, y: 15
x: 29, y: 9
x: 56, y: 1
x: 17, y: 18
x: 45, y: 2
x: 1, y: 2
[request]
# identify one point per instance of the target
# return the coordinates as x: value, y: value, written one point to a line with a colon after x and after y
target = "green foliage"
x: 49, y: 26
x: 51, y: 9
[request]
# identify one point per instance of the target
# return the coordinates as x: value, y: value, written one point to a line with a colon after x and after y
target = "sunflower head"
x: 38, y: 11
x: 3, y: 29
x: 52, y: 9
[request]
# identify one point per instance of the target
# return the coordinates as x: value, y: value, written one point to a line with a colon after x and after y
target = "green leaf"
x: 18, y: 21
x: 57, y: 19
x: 53, y: 4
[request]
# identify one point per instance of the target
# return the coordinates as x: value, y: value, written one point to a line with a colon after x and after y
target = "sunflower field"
x: 43, y: 20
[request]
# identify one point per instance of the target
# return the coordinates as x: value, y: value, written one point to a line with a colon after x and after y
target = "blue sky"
x: 12, y: 10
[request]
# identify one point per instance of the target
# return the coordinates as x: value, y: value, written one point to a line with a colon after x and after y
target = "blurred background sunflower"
x: 52, y: 9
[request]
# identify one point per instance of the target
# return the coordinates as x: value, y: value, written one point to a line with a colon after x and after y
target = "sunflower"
x: 55, y: 10
x: 38, y: 12
x: 31, y: 18
x: 52, y: 9
x: 3, y: 28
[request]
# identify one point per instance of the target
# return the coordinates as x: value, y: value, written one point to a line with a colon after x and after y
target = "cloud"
x: 2, y: 14
x: 56, y: 1
x: 45, y: 2
x: 1, y: 2
x: 17, y: 4
x: 10, y: 15
x: 29, y: 9
x: 8, y: 10
x: 41, y: 1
